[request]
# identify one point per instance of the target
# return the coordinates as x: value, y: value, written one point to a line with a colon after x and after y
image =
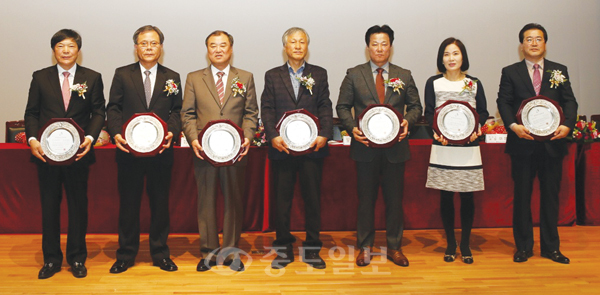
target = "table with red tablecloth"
x: 20, y: 210
x: 588, y: 191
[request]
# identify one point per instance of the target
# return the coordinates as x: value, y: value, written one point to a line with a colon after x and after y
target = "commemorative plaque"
x: 221, y: 142
x: 145, y: 134
x: 299, y: 129
x: 455, y: 121
x: 380, y: 123
x: 541, y: 116
x: 60, y: 139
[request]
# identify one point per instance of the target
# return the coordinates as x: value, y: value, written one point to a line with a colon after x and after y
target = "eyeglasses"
x: 145, y: 44
x: 537, y: 40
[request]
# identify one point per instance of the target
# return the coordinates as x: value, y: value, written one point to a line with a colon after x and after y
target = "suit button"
x: 221, y: 114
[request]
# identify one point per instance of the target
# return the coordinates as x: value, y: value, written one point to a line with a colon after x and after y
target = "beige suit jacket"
x: 201, y: 103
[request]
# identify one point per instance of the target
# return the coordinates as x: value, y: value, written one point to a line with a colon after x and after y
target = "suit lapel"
x: 79, y: 78
x: 285, y: 78
x: 233, y: 73
x: 302, y: 89
x: 138, y: 83
x: 368, y: 76
x: 524, y: 73
x: 158, y: 84
x: 546, y: 76
x: 393, y: 73
x: 54, y: 82
x: 210, y: 84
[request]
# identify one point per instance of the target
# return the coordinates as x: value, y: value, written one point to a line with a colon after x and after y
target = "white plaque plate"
x: 60, y: 141
x: 221, y: 142
x: 144, y: 134
x: 298, y: 131
x: 456, y: 122
x: 540, y: 117
x: 380, y: 125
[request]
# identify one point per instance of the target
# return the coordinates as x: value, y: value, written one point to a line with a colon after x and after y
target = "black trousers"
x: 131, y: 174
x: 370, y: 175
x: 74, y: 178
x: 549, y: 172
x: 310, y: 171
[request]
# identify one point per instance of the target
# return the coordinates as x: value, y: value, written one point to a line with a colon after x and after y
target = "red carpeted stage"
x: 21, y: 213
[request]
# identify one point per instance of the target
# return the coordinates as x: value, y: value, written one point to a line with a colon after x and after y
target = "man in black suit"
x: 142, y: 87
x: 285, y: 92
x: 364, y: 86
x: 530, y: 77
x: 50, y: 96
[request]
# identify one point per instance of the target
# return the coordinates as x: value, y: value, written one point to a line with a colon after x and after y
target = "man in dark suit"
x: 203, y: 102
x: 285, y: 92
x: 50, y: 96
x: 143, y: 87
x: 364, y: 86
x: 528, y: 78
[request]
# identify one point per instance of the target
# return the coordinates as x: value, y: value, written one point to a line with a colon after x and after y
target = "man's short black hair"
x: 219, y: 33
x: 376, y: 29
x: 531, y: 26
x: 148, y: 28
x: 65, y: 34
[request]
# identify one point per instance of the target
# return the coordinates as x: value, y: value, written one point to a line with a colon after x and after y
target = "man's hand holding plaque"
x: 221, y: 143
x: 542, y: 119
x: 380, y: 126
x: 455, y: 122
x: 298, y: 133
x: 61, y: 139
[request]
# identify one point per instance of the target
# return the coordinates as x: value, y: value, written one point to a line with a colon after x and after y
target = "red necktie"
x: 220, y: 87
x: 379, y: 85
x: 66, y: 90
x: 537, y: 79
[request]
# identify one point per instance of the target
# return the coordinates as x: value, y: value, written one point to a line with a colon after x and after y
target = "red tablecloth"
x: 589, y: 190
x: 20, y: 210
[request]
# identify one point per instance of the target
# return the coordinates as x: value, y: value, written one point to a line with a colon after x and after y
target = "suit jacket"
x: 516, y: 86
x: 45, y: 102
x: 278, y: 97
x: 201, y: 103
x: 127, y: 97
x: 358, y: 92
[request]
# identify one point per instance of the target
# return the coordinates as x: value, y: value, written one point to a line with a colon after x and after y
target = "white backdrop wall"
x: 489, y: 30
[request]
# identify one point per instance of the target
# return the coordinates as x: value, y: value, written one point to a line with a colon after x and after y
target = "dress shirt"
x: 294, y: 76
x: 215, y: 71
x: 386, y: 70
x: 152, y: 76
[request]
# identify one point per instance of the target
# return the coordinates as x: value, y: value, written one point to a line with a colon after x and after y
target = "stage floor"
x: 492, y: 273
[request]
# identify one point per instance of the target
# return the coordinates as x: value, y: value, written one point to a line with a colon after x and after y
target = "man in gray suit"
x: 363, y: 86
x: 203, y: 101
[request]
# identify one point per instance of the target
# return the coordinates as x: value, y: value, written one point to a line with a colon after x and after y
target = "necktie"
x: 148, y: 88
x: 537, y: 79
x: 220, y: 87
x: 66, y: 90
x: 379, y: 86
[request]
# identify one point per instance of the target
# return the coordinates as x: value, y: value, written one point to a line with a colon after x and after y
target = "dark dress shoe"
x: 48, y: 270
x: 205, y: 264
x: 313, y: 259
x: 556, y: 256
x: 449, y: 257
x: 166, y: 264
x: 364, y: 257
x: 120, y: 266
x: 467, y: 259
x: 234, y: 264
x: 78, y: 269
x: 282, y: 260
x: 397, y: 257
x: 522, y: 255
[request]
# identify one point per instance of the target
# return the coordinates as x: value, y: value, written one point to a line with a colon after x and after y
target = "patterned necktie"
x: 66, y: 90
x: 537, y: 79
x: 148, y: 88
x: 220, y: 87
x: 379, y: 86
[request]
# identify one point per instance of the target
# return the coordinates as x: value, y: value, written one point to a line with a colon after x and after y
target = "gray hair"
x: 294, y: 30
